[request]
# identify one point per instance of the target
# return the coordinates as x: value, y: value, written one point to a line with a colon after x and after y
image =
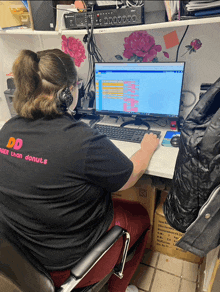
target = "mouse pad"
x: 167, y: 138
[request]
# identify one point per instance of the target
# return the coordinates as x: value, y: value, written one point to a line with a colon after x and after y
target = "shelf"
x: 162, y: 25
x: 27, y: 31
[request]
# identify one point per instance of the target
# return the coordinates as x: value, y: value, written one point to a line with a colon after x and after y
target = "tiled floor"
x: 161, y: 273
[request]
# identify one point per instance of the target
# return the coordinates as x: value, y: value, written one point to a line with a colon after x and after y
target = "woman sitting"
x: 57, y: 175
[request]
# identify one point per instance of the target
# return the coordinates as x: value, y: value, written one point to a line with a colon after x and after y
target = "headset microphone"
x: 65, y: 97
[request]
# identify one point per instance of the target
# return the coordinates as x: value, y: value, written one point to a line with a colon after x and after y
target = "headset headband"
x: 61, y: 62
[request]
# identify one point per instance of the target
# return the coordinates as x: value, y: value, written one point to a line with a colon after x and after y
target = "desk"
x: 163, y: 161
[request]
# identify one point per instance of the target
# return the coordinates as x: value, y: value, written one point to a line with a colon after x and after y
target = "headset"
x: 64, y: 97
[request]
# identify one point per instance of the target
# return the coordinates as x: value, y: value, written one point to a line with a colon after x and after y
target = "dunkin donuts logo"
x: 15, y: 145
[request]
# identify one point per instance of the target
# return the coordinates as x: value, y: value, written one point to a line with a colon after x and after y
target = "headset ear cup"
x: 65, y: 99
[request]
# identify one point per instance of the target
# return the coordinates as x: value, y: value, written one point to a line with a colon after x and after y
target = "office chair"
x: 19, y: 274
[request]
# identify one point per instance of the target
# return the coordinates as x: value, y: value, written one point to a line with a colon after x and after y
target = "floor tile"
x: 143, y: 277
x: 150, y: 258
x: 164, y: 282
x: 190, y: 271
x: 170, y: 265
x: 187, y: 286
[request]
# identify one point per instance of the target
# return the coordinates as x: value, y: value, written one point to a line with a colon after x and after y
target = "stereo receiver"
x: 105, y: 18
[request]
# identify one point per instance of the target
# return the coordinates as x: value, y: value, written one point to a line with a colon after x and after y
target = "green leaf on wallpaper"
x: 118, y: 57
x: 155, y: 60
x: 188, y: 47
x: 133, y: 58
x: 139, y: 59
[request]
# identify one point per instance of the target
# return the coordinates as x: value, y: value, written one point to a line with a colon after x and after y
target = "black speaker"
x: 43, y: 14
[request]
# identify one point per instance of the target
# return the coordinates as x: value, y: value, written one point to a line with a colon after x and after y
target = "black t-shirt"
x: 56, y: 179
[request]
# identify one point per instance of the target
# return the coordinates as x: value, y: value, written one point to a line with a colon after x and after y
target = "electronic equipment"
x: 43, y: 14
x: 9, y: 95
x: 124, y: 134
x: 139, y: 90
x: 105, y: 18
x: 108, y: 3
x: 65, y: 99
x: 171, y: 139
x: 175, y: 141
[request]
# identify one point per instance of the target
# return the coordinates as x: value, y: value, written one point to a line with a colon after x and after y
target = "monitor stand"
x: 136, y: 121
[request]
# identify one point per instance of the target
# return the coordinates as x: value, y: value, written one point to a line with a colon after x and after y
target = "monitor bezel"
x: 139, y: 115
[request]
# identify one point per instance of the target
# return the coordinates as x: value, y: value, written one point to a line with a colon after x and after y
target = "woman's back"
x: 46, y: 196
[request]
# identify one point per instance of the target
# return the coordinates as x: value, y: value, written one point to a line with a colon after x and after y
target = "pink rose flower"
x: 74, y: 48
x: 196, y: 44
x: 193, y: 47
x: 141, y: 44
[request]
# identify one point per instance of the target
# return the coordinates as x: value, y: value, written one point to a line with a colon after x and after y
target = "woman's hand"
x: 149, y: 143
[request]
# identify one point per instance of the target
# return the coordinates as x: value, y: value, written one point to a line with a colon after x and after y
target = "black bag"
x: 197, y: 170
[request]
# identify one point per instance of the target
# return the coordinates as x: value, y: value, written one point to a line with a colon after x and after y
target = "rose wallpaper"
x: 198, y: 48
x: 156, y: 45
x: 74, y: 48
x: 138, y: 46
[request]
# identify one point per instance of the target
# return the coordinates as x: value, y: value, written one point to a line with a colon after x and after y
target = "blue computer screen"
x: 139, y: 88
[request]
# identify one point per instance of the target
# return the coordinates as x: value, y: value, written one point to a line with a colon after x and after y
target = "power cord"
x: 194, y: 100
x: 155, y: 121
x: 93, y: 52
x: 181, y: 42
x: 134, y: 3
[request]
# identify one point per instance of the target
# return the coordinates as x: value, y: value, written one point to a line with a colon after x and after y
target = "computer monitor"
x: 139, y: 89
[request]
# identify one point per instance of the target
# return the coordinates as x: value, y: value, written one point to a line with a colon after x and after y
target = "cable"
x: 159, y: 124
x: 189, y: 105
x: 181, y: 42
x: 155, y: 120
x: 134, y: 3
x: 93, y: 53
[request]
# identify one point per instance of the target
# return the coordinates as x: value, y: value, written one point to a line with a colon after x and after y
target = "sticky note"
x: 171, y: 39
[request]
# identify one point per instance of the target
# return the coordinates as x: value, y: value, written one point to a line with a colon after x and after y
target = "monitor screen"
x: 139, y: 89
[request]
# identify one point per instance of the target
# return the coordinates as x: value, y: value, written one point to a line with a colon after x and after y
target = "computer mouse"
x: 175, y: 141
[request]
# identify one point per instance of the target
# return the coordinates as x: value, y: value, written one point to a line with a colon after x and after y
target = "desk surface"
x: 163, y: 161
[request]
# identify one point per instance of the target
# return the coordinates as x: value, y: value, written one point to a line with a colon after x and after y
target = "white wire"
x: 138, y: 3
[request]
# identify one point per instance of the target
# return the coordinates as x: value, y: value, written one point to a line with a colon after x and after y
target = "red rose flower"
x: 74, y: 48
x: 141, y: 44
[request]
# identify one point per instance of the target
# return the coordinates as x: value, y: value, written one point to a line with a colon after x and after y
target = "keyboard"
x: 124, y: 134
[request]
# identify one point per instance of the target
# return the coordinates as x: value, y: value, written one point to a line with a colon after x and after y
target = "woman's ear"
x: 74, y: 92
x: 71, y: 87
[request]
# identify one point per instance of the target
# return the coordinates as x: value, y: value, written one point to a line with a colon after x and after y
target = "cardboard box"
x: 7, y: 18
x: 144, y: 193
x: 165, y: 237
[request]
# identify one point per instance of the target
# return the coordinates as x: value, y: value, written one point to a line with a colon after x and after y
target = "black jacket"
x: 203, y: 234
x: 197, y: 170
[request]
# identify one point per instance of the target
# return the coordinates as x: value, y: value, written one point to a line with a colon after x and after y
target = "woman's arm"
x: 141, y: 159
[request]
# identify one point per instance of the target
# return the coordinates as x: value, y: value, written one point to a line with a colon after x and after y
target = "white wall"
x: 4, y: 111
x: 10, y: 45
x: 201, y: 67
